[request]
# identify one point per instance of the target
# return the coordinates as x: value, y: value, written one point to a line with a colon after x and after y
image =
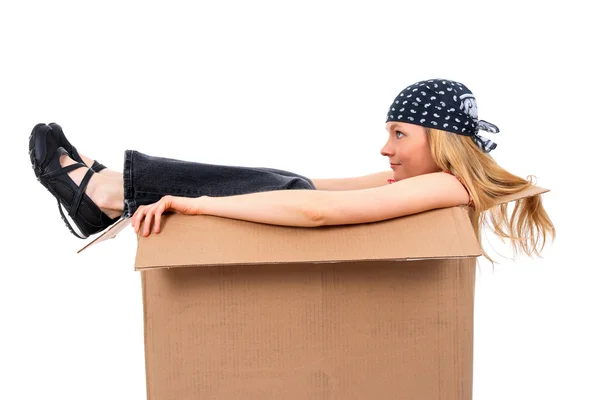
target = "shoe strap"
x: 63, y: 170
x: 96, y: 166
x: 80, y: 192
x: 75, y: 155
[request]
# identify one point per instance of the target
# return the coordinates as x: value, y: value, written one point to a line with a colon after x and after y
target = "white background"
x: 303, y: 86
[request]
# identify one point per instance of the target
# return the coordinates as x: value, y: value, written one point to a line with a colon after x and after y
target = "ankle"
x: 106, y: 194
x: 114, y: 175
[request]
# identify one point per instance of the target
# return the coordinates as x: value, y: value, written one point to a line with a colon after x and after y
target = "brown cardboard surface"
x: 206, y: 240
x: 110, y: 233
x: 369, y: 311
x: 531, y: 191
x: 307, y: 313
x: 367, y: 330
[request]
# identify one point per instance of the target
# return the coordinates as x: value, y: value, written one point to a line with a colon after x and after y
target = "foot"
x: 87, y: 161
x: 104, y: 192
x: 106, y: 171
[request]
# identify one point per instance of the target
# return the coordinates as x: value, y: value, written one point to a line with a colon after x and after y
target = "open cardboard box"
x: 241, y: 310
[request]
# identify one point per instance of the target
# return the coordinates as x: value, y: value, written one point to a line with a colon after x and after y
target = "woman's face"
x: 408, y: 150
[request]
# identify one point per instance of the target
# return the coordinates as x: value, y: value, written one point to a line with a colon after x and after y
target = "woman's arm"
x: 310, y: 208
x: 354, y: 183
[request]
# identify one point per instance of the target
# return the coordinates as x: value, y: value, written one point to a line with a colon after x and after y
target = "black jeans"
x: 147, y: 178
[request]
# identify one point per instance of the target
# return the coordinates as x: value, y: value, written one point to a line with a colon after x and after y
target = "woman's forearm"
x: 280, y: 207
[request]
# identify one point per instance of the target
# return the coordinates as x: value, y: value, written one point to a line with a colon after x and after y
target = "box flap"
x: 200, y: 240
x: 530, y: 191
x: 110, y: 233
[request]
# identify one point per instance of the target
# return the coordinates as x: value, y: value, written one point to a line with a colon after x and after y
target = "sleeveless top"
x: 460, y: 180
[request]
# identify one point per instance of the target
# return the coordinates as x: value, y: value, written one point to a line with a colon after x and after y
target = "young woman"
x: 437, y: 159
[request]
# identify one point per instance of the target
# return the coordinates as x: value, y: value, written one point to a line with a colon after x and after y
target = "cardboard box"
x: 240, y: 310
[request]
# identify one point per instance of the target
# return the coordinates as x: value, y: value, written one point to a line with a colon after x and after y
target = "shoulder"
x: 470, y: 198
x: 442, y: 189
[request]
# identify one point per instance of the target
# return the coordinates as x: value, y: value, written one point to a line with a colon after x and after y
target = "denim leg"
x: 148, y: 178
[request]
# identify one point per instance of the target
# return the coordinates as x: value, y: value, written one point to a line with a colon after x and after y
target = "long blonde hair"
x: 528, y: 225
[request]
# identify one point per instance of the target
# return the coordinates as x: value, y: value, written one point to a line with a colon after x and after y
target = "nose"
x: 387, y: 150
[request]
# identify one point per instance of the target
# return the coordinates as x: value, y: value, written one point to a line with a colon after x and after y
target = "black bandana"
x: 442, y: 104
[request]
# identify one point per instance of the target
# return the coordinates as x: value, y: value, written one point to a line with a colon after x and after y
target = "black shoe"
x: 62, y: 141
x: 81, y: 215
x: 40, y: 140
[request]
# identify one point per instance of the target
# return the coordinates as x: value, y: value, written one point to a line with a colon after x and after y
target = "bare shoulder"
x: 405, y: 197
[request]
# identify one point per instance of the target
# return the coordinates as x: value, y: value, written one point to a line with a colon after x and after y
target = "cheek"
x: 405, y: 154
x: 426, y: 162
x: 416, y: 158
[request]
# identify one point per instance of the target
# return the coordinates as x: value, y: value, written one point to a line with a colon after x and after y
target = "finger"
x: 136, y: 218
x: 148, y: 220
x: 166, y: 203
x: 157, y: 216
x: 133, y: 219
x: 139, y: 217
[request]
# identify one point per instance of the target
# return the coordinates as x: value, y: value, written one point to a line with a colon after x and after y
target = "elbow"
x: 314, y: 215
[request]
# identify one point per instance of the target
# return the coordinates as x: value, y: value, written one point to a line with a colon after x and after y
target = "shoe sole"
x: 70, y: 223
x: 63, y: 211
x: 34, y: 165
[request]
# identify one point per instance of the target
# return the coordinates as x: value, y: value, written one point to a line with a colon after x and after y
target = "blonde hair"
x: 528, y: 225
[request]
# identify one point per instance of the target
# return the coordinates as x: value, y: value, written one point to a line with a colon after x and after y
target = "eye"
x: 398, y: 133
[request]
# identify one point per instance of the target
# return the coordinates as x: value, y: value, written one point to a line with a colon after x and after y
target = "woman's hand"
x: 145, y: 214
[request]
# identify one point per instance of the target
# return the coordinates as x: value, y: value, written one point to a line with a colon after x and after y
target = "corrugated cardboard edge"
x: 249, y: 263
x: 146, y: 328
x: 530, y: 191
x: 114, y: 230
x: 110, y: 233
